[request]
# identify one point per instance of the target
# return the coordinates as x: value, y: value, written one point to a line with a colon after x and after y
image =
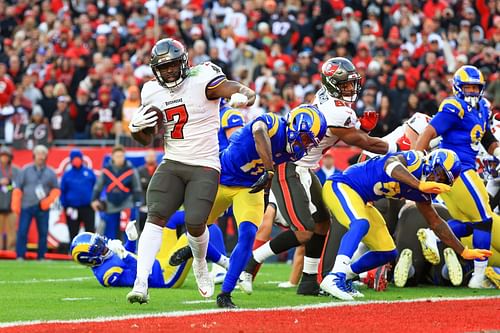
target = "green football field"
x: 64, y: 290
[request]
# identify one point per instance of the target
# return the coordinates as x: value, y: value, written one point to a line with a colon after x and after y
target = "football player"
x: 231, y: 120
x: 463, y: 123
x: 248, y: 165
x: 115, y: 265
x: 296, y: 187
x: 188, y: 98
x: 400, y: 175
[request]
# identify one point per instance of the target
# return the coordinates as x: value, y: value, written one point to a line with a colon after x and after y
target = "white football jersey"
x: 191, y: 120
x: 338, y: 114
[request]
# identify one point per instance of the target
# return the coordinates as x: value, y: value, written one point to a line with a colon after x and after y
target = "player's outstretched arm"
x: 358, y: 138
x: 395, y: 167
x: 425, y: 138
x: 264, y: 149
x: 234, y: 91
x: 443, y: 231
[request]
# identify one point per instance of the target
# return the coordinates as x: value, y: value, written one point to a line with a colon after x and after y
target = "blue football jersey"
x: 371, y: 182
x: 229, y: 118
x: 118, y: 272
x: 462, y: 128
x: 240, y: 162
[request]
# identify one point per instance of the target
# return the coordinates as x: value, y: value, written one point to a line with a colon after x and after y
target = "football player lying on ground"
x: 411, y: 263
x: 248, y: 168
x: 114, y: 264
x: 406, y: 175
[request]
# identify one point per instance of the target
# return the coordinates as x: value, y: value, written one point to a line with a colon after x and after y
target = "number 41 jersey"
x: 190, y: 119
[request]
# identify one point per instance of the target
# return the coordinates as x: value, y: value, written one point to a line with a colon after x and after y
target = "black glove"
x: 264, y: 182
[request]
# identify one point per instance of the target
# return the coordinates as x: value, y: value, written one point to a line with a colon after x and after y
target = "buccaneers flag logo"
x: 329, y: 68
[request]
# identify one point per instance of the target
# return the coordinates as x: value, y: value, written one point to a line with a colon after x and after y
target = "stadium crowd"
x: 76, y: 67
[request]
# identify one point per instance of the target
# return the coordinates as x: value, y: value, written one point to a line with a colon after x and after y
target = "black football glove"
x: 264, y: 182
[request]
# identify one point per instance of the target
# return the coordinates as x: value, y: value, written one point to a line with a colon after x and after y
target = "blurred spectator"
x: 145, y: 173
x: 131, y: 104
x: 122, y: 190
x: 36, y: 188
x: 98, y: 131
x: 8, y: 219
x: 61, y: 122
x: 398, y: 97
x: 83, y: 112
x: 327, y: 167
x: 105, y: 110
x: 77, y: 184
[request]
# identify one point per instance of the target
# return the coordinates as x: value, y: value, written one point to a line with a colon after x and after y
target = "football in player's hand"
x: 159, y: 122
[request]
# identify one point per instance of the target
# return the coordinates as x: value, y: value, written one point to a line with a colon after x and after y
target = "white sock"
x: 223, y: 261
x: 342, y: 263
x: 149, y: 245
x: 216, y: 268
x: 362, y: 249
x: 480, y: 267
x: 263, y: 252
x: 350, y: 274
x: 199, y: 246
x: 310, y: 265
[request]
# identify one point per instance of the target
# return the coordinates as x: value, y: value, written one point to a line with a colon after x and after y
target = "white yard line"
x: 201, y: 301
x: 198, y: 312
x: 71, y: 299
x: 75, y: 279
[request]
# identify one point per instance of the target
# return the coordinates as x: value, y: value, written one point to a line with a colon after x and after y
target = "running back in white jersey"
x: 191, y: 120
x: 411, y: 128
x: 338, y: 114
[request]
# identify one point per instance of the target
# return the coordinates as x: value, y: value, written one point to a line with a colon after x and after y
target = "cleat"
x: 224, y: 301
x: 308, y: 285
x: 139, y: 293
x: 335, y: 285
x: 181, y: 255
x: 203, y: 280
x: 402, y: 269
x: 479, y: 281
x: 454, y: 268
x: 286, y: 285
x: 428, y: 241
x: 218, y: 273
x: 245, y: 282
x: 352, y: 290
x: 493, y: 275
x: 380, y: 281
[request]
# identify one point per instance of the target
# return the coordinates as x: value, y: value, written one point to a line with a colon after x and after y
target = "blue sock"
x: 176, y: 219
x: 373, y: 259
x: 216, y: 238
x: 460, y: 229
x: 481, y: 236
x: 240, y: 256
x: 350, y: 241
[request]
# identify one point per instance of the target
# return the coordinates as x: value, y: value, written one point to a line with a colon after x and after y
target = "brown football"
x: 159, y: 123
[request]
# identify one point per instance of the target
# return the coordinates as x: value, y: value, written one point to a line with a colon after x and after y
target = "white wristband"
x: 391, y: 166
x: 393, y: 147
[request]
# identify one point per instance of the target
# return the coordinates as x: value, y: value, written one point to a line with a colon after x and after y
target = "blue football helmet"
x: 468, y: 75
x: 306, y: 128
x: 444, y: 165
x: 89, y: 249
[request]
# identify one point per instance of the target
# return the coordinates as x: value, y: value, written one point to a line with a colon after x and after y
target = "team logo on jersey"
x: 347, y: 122
x: 329, y: 68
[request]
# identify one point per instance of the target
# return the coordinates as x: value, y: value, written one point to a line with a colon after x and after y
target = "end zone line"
x: 215, y: 311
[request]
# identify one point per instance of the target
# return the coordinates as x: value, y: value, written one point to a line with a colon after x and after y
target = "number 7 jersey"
x: 190, y: 119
